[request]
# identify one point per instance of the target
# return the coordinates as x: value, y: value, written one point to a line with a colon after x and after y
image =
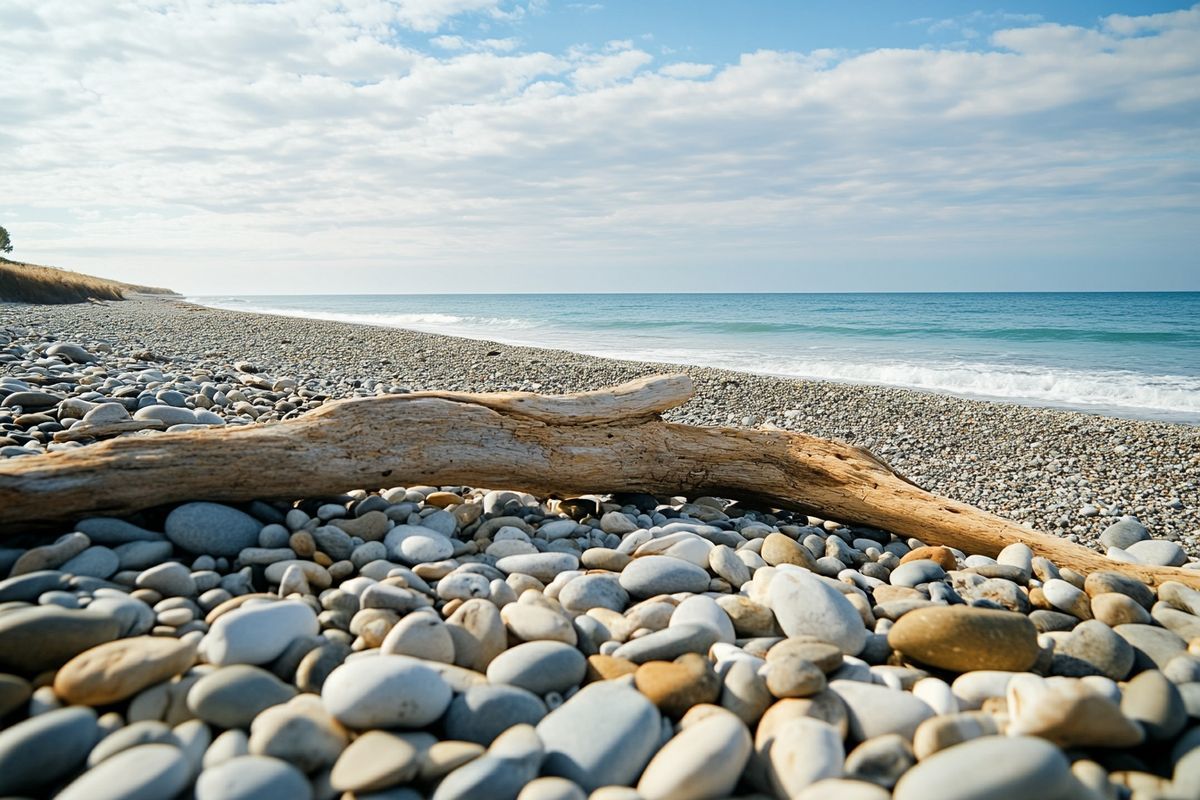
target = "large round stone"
x: 259, y: 633
x: 705, y: 759
x: 991, y: 768
x: 146, y: 772
x: 964, y: 638
x: 805, y: 605
x: 540, y: 667
x: 603, y: 736
x: 231, y: 697
x: 653, y: 575
x: 253, y: 778
x: 212, y: 529
x: 484, y: 712
x: 385, y: 691
x: 41, y: 638
x: 113, y: 671
x: 45, y: 748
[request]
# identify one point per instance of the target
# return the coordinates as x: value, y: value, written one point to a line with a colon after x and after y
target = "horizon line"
x: 708, y: 294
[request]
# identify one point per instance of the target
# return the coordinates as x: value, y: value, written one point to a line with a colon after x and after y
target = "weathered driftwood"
x: 605, y: 441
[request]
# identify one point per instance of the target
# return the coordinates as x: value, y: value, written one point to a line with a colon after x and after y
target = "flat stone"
x: 1154, y: 647
x: 422, y: 636
x: 1159, y: 552
x: 372, y: 526
x: 300, y: 732
x: 801, y: 751
x: 231, y: 697
x: 805, y: 606
x: 1115, y: 609
x: 618, y: 523
x: 110, y: 531
x: 27, y: 588
x: 724, y: 562
x: 793, y: 676
x: 744, y: 692
x: 649, y: 576
x: 915, y: 573
x: 779, y: 548
x: 750, y: 619
x: 445, y: 757
x: 668, y: 644
x: 509, y: 764
x: 95, y: 562
x: 551, y: 789
x: 484, y: 712
x: 1092, y: 648
x: 1184, y: 625
x: 41, y: 638
x: 135, y: 617
x: 14, y: 693
x: 380, y: 759
x: 876, y: 710
x: 540, y: 667
x: 114, y: 671
x: 212, y: 529
x: 676, y: 686
x: 1182, y: 597
x: 1067, y: 598
x: 479, y: 634
x: 991, y: 768
x: 51, y: 556
x: 105, y: 413
x: 168, y: 415
x: 132, y: 735
x: 705, y: 759
x: 881, y: 760
x: 146, y: 772
x: 259, y: 633
x: 534, y: 622
x: 1068, y: 713
x: 39, y: 751
x: 171, y: 579
x: 603, y: 736
x: 1156, y: 703
x: 1123, y: 533
x: 31, y: 401
x: 938, y: 733
x: 253, y: 778
x: 142, y: 554
x: 586, y: 592
x: 71, y: 352
x: 316, y: 665
x: 965, y: 638
x: 703, y: 610
x: 543, y: 566
x: 385, y: 691
x: 843, y: 789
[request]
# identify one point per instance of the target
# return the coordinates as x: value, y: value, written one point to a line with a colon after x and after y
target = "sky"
x: 330, y: 146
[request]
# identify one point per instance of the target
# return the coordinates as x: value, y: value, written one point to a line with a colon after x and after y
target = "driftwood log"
x: 605, y: 441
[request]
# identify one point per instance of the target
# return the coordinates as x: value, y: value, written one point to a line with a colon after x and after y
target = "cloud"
x: 475, y: 45
x: 687, y: 69
x: 303, y: 144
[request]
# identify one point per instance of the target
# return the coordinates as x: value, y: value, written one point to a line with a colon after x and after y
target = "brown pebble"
x: 942, y: 556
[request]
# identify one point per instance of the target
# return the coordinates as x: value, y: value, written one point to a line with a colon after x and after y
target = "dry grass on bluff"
x: 30, y: 283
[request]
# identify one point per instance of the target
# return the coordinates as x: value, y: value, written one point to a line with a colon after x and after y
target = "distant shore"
x: 1065, y: 472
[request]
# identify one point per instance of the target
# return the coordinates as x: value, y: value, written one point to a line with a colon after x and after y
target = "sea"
x: 1134, y: 354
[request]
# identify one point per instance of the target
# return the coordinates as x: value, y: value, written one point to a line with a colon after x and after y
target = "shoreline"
x: 1092, y: 390
x: 1037, y: 465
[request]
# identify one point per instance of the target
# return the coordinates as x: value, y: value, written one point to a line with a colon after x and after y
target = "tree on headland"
x: 5, y: 242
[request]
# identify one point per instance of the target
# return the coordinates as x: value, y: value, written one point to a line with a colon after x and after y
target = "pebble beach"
x: 452, y: 642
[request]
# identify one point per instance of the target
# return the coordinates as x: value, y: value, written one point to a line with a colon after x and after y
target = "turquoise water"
x: 1130, y: 354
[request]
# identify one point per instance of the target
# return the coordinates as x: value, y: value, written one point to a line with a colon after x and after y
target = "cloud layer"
x: 304, y: 145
